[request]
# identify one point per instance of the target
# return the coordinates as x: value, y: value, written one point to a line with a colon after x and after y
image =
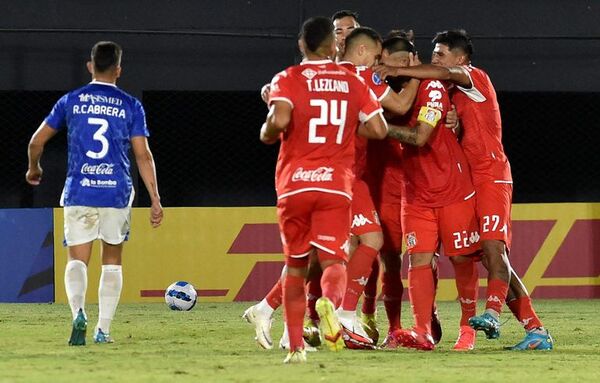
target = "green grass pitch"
x: 212, y: 344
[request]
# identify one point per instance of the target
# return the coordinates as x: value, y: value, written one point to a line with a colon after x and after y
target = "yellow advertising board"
x: 235, y: 253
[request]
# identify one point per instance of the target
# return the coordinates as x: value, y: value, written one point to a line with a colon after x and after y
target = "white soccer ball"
x: 180, y: 296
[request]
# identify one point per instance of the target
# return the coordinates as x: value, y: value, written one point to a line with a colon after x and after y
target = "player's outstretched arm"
x: 375, y: 128
x: 456, y: 75
x: 34, y: 151
x: 145, y: 163
x: 278, y: 119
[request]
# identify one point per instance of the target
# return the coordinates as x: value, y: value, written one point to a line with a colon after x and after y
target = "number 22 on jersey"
x: 330, y: 115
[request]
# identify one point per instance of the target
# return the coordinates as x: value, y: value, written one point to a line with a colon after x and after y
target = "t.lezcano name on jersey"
x: 327, y: 85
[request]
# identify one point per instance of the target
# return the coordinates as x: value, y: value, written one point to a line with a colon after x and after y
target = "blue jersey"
x: 100, y: 120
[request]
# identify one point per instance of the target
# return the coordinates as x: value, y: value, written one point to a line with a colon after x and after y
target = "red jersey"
x: 385, y: 175
x: 317, y: 149
x: 380, y: 89
x: 436, y: 174
x: 479, y: 114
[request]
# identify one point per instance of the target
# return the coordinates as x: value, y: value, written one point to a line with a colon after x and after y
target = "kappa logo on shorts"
x: 360, y: 220
x: 411, y: 240
x: 376, y: 216
x: 346, y: 247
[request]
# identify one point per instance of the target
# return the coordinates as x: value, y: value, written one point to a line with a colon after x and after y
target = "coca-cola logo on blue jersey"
x: 99, y: 169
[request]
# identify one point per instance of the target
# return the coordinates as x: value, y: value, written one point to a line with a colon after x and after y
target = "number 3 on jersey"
x: 328, y: 116
x: 99, y: 136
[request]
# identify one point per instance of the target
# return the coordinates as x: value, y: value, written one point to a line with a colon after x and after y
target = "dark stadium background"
x: 198, y: 68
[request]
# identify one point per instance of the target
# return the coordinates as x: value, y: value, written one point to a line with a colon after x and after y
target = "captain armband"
x: 429, y: 116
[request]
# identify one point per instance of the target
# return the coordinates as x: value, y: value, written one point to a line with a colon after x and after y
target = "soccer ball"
x: 180, y: 296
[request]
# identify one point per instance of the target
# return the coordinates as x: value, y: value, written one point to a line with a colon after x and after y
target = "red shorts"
x: 494, y: 202
x: 391, y: 224
x: 364, y: 216
x: 455, y: 226
x: 314, y: 219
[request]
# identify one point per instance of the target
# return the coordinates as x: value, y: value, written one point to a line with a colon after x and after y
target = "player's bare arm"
x: 401, y: 102
x: 36, y: 147
x: 145, y: 163
x: 456, y: 75
x: 277, y: 122
x: 375, y: 128
x: 419, y: 135
x: 416, y: 136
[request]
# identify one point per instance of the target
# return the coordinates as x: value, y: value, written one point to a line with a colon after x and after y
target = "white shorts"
x: 85, y: 224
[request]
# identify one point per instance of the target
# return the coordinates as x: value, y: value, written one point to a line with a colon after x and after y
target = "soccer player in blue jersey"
x: 102, y: 122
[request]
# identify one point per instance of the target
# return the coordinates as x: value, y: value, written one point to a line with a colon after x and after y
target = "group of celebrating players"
x: 375, y: 148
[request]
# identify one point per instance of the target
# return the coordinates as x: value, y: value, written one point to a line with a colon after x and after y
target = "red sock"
x: 314, y: 293
x: 467, y: 284
x: 524, y: 312
x: 358, y: 271
x: 275, y: 296
x: 497, y: 290
x: 392, y: 289
x: 333, y: 283
x: 370, y: 294
x: 294, y: 297
x: 422, y: 295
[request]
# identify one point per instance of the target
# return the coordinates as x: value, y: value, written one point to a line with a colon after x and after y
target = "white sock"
x: 76, y: 285
x: 345, y: 314
x: 264, y: 307
x: 109, y: 292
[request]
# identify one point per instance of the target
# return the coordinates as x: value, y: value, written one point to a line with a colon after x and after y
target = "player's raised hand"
x: 34, y: 175
x: 414, y: 59
x: 452, y: 118
x: 156, y: 214
x: 385, y: 71
x: 264, y: 93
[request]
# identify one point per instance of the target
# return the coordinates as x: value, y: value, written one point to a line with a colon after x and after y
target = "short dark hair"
x: 455, y: 39
x: 105, y: 55
x: 362, y: 31
x: 398, y: 43
x: 315, y: 31
x: 409, y: 34
x: 344, y: 13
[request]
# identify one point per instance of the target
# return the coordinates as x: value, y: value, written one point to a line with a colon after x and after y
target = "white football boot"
x: 262, y: 325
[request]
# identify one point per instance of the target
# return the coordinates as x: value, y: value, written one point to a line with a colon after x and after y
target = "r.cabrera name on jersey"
x: 101, y: 119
